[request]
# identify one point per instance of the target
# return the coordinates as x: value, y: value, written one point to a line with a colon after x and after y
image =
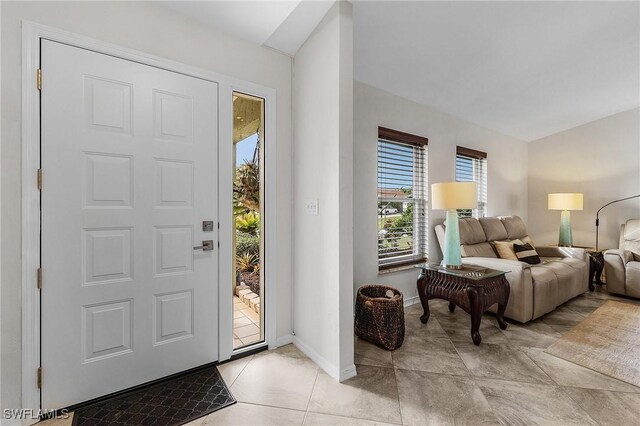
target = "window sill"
x: 400, y: 268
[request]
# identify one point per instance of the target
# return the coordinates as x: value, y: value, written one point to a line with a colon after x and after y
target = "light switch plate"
x: 312, y: 207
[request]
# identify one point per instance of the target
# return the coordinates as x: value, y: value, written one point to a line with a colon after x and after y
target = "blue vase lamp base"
x: 452, y: 258
x: 565, y: 238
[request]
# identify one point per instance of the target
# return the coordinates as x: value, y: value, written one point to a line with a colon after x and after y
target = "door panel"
x: 129, y: 155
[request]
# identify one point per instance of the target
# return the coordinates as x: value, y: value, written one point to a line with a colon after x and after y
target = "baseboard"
x: 322, y: 362
x: 281, y: 341
x: 348, y: 372
x: 411, y: 301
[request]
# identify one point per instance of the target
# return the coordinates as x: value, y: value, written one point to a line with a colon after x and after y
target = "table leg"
x: 502, y: 305
x: 599, y: 277
x: 592, y: 271
x: 599, y: 260
x: 424, y: 301
x: 476, y: 314
x: 452, y: 307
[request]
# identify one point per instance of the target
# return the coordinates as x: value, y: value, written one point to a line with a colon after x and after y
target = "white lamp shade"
x: 565, y: 201
x: 454, y: 195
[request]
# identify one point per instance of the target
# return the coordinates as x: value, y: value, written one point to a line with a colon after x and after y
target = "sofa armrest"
x: 555, y: 251
x: 625, y: 256
x: 615, y: 262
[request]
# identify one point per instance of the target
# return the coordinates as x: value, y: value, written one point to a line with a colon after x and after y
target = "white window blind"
x: 471, y: 166
x: 402, y: 199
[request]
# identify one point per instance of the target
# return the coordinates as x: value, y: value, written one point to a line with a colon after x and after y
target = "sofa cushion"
x: 505, y: 249
x: 493, y: 229
x: 515, y: 227
x: 478, y: 250
x: 471, y: 231
x: 630, y: 238
x: 632, y: 283
x: 632, y: 230
x: 526, y: 253
x: 572, y: 261
x: 545, y: 290
x: 527, y: 240
x: 568, y: 279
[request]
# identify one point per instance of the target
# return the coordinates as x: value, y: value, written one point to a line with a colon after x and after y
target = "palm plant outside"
x: 246, y: 199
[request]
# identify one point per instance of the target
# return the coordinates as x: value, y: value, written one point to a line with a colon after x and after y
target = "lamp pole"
x: 608, y: 204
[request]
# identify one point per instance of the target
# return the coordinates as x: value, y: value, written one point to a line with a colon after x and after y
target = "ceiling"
x: 283, y: 25
x: 526, y: 69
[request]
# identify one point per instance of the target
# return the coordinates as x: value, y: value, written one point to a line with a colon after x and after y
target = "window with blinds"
x: 471, y: 166
x: 402, y: 199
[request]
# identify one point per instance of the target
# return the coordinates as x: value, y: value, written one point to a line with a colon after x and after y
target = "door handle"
x: 207, y: 245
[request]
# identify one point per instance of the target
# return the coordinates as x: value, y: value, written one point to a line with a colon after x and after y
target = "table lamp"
x: 451, y: 196
x: 565, y: 202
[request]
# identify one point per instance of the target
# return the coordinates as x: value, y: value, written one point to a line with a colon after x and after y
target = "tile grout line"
x: 500, y: 379
x: 470, y: 375
x: 355, y: 418
x: 591, y: 370
x: 538, y: 366
x: 241, y: 371
x: 561, y: 389
x: 475, y: 383
x: 313, y: 388
x: 257, y: 404
x: 397, y: 389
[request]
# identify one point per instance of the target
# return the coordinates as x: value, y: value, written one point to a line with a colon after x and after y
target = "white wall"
x: 322, y: 170
x: 601, y: 159
x: 507, y: 172
x: 157, y: 31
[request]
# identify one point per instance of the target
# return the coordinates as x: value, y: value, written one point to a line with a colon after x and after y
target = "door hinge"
x: 39, y: 79
x: 40, y: 278
x: 39, y: 180
x: 39, y: 377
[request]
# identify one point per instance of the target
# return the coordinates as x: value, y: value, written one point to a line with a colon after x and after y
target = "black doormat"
x: 175, y: 401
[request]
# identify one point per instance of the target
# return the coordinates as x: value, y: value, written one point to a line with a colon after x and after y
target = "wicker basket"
x: 380, y: 319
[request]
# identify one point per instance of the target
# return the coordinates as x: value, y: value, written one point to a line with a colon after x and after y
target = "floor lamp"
x: 608, y: 204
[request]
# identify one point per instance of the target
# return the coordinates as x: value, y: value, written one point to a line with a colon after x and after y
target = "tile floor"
x: 437, y: 377
x: 246, y: 324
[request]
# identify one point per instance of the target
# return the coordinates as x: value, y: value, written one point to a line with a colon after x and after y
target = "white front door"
x: 129, y: 160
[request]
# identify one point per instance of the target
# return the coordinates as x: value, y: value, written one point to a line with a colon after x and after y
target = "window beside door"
x: 402, y: 199
x: 471, y: 166
x: 248, y: 208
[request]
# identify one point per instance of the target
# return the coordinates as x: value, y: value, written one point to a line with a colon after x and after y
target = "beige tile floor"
x: 246, y: 324
x: 437, y: 377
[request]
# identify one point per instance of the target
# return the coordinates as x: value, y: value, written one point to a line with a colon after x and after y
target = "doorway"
x: 248, y: 207
x: 130, y: 289
x: 37, y: 281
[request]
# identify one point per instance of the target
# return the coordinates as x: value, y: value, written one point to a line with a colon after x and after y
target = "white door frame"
x: 31, y: 35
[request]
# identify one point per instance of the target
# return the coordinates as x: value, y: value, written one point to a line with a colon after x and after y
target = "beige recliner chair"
x: 622, y: 265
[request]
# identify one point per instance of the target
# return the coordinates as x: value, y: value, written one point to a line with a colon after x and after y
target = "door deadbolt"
x: 207, y: 245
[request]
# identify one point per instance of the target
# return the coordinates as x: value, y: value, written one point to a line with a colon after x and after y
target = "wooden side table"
x: 596, y: 265
x: 474, y: 289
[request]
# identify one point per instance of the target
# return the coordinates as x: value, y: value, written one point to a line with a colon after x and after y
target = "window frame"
x: 420, y: 203
x: 478, y: 159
